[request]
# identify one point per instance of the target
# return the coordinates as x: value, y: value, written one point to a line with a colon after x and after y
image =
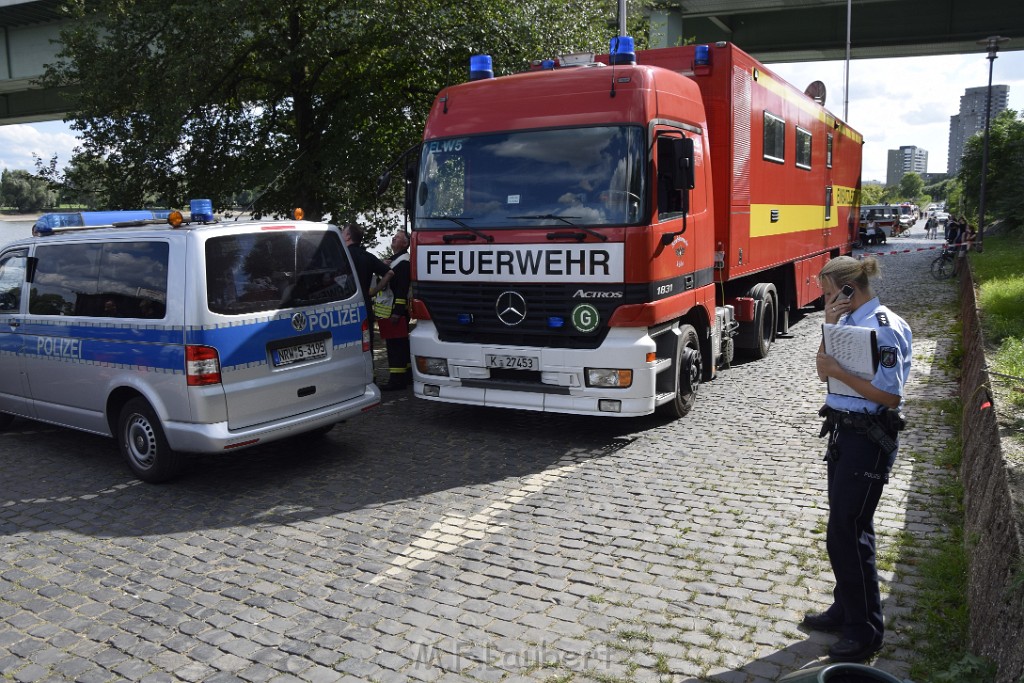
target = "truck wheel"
x: 142, y: 442
x: 688, y: 369
x: 768, y: 322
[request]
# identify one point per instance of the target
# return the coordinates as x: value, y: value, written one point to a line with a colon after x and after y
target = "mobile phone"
x: 846, y: 292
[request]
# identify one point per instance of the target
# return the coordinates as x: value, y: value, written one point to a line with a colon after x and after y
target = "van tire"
x: 141, y: 439
x: 6, y: 420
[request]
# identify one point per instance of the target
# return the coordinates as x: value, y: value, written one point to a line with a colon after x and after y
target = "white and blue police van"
x: 186, y: 337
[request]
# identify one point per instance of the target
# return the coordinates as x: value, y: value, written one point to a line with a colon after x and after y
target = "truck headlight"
x: 432, y: 366
x: 609, y: 377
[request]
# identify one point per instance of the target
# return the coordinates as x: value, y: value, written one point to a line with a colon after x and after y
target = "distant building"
x: 971, y: 120
x: 906, y: 159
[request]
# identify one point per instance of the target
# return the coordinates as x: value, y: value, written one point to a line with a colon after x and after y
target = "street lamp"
x: 992, y: 44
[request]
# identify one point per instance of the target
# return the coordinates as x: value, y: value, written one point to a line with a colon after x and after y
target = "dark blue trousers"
x: 855, y: 482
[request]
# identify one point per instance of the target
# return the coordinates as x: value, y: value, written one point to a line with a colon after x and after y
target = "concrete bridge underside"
x: 771, y: 30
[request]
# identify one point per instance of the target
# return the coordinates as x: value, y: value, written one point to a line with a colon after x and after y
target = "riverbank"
x: 19, y: 217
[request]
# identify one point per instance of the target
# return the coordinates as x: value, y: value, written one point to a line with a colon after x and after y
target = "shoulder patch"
x: 882, y: 318
x: 887, y: 355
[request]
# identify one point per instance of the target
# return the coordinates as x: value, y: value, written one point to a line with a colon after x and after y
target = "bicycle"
x: 944, y: 265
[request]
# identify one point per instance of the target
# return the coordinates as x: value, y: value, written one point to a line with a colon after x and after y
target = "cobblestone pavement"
x: 445, y: 543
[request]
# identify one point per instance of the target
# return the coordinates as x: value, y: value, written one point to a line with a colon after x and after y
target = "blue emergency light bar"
x: 49, y: 223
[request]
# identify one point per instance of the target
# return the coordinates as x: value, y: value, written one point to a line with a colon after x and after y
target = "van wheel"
x: 688, y: 369
x: 142, y: 441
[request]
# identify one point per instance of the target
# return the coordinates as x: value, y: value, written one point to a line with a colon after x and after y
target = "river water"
x: 11, y: 230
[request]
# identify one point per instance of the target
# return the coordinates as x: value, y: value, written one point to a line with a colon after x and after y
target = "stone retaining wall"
x: 993, y: 537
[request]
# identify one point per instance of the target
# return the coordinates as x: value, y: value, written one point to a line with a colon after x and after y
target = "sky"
x: 892, y: 102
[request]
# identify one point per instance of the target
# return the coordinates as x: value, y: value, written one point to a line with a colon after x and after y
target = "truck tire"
x: 766, y: 320
x: 688, y: 368
x: 143, y: 444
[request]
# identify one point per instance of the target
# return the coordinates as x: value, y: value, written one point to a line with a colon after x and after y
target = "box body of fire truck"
x: 602, y: 238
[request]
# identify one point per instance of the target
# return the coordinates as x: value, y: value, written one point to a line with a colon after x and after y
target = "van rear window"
x: 253, y: 272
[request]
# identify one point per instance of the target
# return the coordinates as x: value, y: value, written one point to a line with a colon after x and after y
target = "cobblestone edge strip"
x: 994, y: 543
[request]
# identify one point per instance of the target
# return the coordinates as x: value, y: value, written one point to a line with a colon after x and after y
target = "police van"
x: 186, y: 337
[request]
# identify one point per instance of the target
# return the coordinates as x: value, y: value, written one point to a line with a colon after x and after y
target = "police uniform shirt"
x: 894, y: 339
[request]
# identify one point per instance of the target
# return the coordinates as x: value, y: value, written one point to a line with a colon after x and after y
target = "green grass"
x: 999, y: 274
x: 940, y: 643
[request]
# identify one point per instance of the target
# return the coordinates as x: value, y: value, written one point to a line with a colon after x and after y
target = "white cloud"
x: 907, y: 100
x: 19, y: 141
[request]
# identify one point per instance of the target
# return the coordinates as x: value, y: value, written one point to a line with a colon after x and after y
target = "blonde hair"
x: 846, y: 269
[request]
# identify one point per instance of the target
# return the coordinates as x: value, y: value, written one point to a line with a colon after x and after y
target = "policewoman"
x: 862, y: 436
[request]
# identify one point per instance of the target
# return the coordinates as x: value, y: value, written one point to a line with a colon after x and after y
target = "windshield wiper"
x: 565, y: 219
x: 461, y: 236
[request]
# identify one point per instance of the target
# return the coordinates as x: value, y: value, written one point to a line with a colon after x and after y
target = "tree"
x: 1005, y: 178
x: 25, y: 192
x: 79, y: 184
x: 871, y: 193
x: 911, y: 186
x: 302, y: 101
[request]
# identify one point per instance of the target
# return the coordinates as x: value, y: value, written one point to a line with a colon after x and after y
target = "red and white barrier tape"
x: 951, y: 247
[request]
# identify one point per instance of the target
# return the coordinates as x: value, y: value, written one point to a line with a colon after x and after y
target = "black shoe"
x: 847, y: 650
x: 822, y: 622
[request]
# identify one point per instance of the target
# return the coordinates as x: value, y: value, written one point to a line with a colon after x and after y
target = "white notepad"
x: 856, y: 349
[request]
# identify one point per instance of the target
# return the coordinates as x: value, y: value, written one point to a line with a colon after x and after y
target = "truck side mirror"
x: 682, y: 174
x: 682, y: 167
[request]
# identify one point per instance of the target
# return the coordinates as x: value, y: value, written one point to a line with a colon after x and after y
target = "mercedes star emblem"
x: 511, y: 308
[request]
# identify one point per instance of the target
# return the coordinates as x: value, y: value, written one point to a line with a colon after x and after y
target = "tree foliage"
x: 25, y: 192
x: 80, y: 184
x: 871, y: 193
x: 303, y: 102
x: 1005, y: 177
x: 911, y: 186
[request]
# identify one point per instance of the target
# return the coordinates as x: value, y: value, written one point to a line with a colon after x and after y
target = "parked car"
x: 877, y: 221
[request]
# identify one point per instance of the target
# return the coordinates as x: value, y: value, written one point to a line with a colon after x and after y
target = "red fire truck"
x: 600, y: 236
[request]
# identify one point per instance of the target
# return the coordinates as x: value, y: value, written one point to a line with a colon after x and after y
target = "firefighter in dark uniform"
x: 863, y: 437
x: 391, y: 306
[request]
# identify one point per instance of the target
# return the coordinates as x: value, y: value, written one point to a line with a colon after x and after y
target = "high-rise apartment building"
x: 904, y: 160
x: 971, y: 119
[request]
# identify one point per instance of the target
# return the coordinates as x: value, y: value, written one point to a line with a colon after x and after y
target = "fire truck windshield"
x: 577, y: 176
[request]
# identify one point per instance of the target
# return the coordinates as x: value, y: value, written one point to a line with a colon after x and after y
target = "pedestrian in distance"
x: 391, y: 308
x: 367, y: 265
x: 862, y: 422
